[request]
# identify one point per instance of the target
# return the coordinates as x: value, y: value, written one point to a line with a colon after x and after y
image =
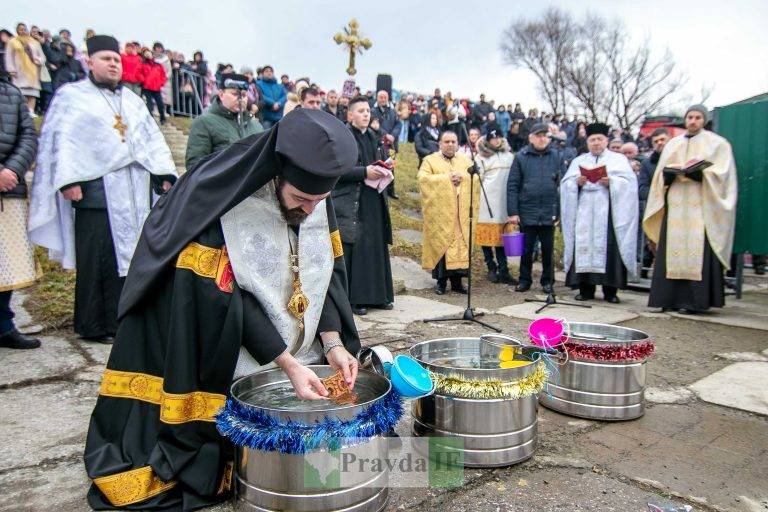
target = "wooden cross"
x: 120, y: 126
x: 355, y: 44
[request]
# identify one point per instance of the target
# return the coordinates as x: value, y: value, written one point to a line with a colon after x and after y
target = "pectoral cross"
x: 351, y: 38
x: 120, y: 126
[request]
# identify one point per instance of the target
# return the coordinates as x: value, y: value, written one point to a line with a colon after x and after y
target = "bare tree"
x: 543, y: 47
x: 593, y: 66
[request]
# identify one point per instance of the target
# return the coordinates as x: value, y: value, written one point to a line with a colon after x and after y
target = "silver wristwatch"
x: 332, y: 343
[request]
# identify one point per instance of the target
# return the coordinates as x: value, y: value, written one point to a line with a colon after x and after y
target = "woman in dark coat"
x: 70, y: 69
x: 426, y: 138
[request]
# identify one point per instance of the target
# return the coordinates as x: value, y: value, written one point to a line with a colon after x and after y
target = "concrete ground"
x: 703, y: 441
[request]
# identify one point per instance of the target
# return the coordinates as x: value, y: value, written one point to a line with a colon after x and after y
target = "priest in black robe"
x: 363, y: 216
x: 691, y: 217
x: 238, y: 269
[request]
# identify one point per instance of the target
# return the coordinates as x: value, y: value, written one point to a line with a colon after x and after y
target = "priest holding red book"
x: 599, y: 211
x: 691, y: 217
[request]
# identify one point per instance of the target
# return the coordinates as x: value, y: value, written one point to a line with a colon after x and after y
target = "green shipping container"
x: 745, y: 125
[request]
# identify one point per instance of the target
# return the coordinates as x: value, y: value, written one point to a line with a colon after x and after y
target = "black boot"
x: 15, y: 339
x: 493, y: 275
x: 505, y: 277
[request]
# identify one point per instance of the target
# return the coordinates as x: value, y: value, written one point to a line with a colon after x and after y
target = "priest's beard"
x: 293, y: 216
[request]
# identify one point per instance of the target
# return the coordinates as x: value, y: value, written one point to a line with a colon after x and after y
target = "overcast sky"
x: 452, y: 44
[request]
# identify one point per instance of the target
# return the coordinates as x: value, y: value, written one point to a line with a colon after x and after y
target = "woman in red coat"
x: 153, y: 78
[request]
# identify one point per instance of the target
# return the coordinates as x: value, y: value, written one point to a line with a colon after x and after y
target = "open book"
x: 692, y: 165
x: 593, y: 174
x: 380, y: 184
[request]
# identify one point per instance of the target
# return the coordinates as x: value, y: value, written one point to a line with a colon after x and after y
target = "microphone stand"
x: 469, y: 314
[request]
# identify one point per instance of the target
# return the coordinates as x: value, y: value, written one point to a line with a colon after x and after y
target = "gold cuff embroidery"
x: 132, y: 486
x: 338, y: 249
x: 139, y: 386
x: 203, y: 261
x: 195, y: 406
x: 174, y: 408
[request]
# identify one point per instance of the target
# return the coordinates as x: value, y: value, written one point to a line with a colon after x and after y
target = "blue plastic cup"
x: 408, y: 377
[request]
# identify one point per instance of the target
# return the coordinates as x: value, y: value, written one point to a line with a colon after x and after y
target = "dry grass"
x: 51, y: 301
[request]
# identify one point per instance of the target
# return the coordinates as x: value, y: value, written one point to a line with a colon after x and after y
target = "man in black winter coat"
x: 18, y: 148
x: 532, y: 202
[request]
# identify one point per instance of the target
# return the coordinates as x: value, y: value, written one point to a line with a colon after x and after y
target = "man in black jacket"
x: 18, y: 147
x: 362, y: 214
x: 532, y: 202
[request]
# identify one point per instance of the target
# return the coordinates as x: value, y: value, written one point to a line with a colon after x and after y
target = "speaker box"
x: 384, y: 83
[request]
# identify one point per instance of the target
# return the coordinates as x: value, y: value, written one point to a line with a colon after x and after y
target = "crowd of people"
x: 243, y: 264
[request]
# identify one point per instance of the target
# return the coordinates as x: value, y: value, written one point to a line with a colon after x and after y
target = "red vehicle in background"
x: 674, y: 124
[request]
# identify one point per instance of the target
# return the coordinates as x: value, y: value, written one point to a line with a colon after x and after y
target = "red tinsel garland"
x: 595, y: 352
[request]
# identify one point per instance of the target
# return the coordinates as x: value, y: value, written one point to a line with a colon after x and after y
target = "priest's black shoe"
x: 358, y: 310
x: 685, y: 311
x: 613, y: 300
x: 459, y: 288
x: 15, y: 339
x: 582, y: 298
x: 547, y: 288
x: 105, y: 339
x: 440, y: 289
x: 523, y: 287
x: 387, y: 307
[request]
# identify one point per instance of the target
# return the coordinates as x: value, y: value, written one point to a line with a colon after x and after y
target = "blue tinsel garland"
x: 253, y: 428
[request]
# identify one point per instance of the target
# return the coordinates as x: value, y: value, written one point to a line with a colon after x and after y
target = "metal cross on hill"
x: 351, y: 38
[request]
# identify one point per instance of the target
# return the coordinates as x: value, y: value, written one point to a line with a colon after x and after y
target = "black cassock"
x: 366, y: 229
x: 152, y: 443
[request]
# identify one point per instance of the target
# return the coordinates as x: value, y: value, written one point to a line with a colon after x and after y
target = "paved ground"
x: 703, y: 440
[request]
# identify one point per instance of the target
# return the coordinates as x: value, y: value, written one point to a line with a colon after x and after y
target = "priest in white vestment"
x: 101, y: 158
x: 599, y: 211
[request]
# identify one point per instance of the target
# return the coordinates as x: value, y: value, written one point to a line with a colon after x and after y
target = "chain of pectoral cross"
x: 119, y: 125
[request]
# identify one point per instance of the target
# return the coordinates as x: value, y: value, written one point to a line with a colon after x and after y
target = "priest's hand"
x: 581, y: 181
x: 73, y: 193
x: 305, y: 382
x: 605, y: 181
x: 456, y: 178
x: 8, y: 180
x: 339, y: 359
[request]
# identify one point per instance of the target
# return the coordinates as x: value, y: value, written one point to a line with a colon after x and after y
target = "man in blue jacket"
x: 532, y: 202
x: 274, y: 97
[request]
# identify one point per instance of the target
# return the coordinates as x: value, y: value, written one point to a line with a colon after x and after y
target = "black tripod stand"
x: 469, y: 313
x: 551, y: 299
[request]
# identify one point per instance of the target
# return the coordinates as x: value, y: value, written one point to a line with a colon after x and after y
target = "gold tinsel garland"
x: 459, y: 387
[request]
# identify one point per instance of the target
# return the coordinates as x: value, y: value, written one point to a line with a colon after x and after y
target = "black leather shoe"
x: 104, y: 340
x: 493, y: 276
x: 359, y: 310
x: 613, y: 300
x: 523, y: 287
x: 684, y: 311
x: 387, y: 307
x: 459, y: 289
x: 440, y: 289
x: 760, y: 271
x: 547, y: 288
x: 582, y: 298
x: 15, y: 339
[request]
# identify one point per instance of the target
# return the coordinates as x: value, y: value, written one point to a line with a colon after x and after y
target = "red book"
x: 594, y: 174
